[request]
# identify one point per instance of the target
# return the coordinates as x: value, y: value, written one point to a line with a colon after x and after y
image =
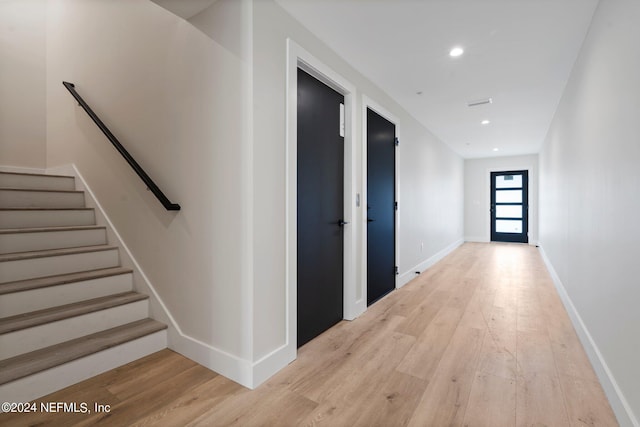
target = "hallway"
x: 479, y: 339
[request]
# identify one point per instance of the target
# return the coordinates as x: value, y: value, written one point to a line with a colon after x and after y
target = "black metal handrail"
x: 132, y: 162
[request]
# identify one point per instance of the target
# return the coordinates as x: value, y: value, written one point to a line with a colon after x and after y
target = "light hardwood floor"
x: 480, y: 339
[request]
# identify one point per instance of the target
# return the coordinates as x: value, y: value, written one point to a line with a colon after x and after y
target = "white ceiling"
x: 518, y: 52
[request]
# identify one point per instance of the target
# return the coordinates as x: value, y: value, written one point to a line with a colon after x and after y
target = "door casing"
x: 297, y: 57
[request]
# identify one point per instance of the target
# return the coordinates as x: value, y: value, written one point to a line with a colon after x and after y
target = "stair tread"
x: 45, y: 209
x: 53, y: 252
x: 40, y: 317
x: 40, y: 190
x: 60, y: 279
x: 37, y: 174
x: 53, y: 228
x: 39, y: 360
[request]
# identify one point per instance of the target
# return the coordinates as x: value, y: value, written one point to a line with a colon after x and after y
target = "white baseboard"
x: 618, y: 402
x: 226, y: 364
x: 242, y: 371
x: 235, y: 368
x: 268, y: 365
x: 409, y: 275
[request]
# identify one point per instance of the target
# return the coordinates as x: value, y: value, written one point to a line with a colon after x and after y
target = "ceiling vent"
x: 480, y: 102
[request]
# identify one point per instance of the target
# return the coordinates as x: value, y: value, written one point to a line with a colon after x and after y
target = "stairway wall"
x: 171, y: 95
x: 22, y: 83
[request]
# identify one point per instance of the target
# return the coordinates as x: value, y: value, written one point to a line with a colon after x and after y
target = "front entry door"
x: 381, y: 214
x: 510, y: 206
x: 320, y: 207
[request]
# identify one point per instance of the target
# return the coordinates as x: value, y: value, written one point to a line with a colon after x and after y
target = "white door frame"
x: 368, y: 103
x: 297, y: 57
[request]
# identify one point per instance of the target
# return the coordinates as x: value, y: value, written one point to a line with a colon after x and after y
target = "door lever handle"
x: 370, y: 220
x: 342, y: 222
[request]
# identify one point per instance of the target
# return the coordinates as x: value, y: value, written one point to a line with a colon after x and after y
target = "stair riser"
x: 44, y: 218
x: 10, y: 180
x: 40, y: 199
x: 37, y: 337
x: 52, y: 296
x: 61, y: 264
x: 38, y: 241
x: 34, y: 386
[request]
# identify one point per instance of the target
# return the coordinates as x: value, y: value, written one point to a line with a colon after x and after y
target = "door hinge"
x: 396, y: 141
x: 395, y: 205
x: 397, y: 271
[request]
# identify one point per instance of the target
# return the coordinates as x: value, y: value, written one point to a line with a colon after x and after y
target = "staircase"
x: 67, y: 308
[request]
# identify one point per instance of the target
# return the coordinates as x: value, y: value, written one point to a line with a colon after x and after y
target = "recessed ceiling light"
x: 485, y: 122
x: 495, y: 149
x: 456, y: 51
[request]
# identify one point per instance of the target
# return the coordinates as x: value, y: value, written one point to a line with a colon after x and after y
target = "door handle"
x: 370, y: 220
x: 342, y: 222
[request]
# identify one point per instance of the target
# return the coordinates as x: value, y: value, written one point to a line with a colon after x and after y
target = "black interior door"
x: 381, y: 214
x: 510, y: 206
x: 320, y: 208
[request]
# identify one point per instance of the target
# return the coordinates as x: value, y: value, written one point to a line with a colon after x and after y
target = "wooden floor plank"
x: 190, y: 406
x: 502, y: 318
x: 586, y: 403
x: 418, y: 320
x: 149, y: 400
x: 320, y: 383
x: 534, y: 354
x: 492, y: 402
x: 445, y: 400
x: 151, y: 377
x: 257, y: 409
x: 434, y: 341
x: 344, y: 402
x: 393, y: 402
x: 498, y: 353
x: 506, y: 296
x: 539, y: 402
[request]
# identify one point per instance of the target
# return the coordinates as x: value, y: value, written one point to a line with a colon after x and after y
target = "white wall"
x: 203, y: 111
x: 590, y: 199
x: 174, y: 97
x: 431, y: 198
x: 430, y: 174
x: 22, y: 83
x: 477, y: 194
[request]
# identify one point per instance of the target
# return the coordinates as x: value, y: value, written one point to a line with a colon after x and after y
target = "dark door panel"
x: 381, y: 198
x: 320, y: 208
x: 510, y: 206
